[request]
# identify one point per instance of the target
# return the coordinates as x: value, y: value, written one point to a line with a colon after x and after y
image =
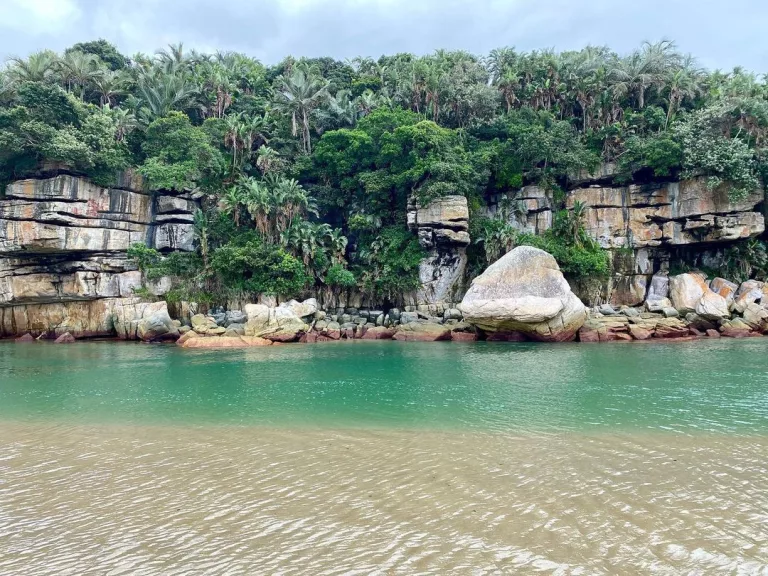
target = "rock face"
x: 524, y: 292
x: 670, y: 214
x: 660, y: 221
x: 63, y: 243
x: 278, y: 324
x: 443, y: 230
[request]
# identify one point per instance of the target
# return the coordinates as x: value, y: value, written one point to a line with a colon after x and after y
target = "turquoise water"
x: 713, y: 386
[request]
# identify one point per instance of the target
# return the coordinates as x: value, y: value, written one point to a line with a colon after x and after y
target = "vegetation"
x: 306, y: 167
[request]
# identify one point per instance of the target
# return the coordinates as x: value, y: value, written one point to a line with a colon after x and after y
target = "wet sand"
x: 133, y: 499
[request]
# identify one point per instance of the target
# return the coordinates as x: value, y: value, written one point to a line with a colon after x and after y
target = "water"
x: 385, y: 457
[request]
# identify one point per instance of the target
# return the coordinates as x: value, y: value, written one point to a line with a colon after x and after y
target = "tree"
x: 298, y: 95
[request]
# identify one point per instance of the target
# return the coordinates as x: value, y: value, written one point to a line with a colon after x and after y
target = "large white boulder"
x: 524, y: 292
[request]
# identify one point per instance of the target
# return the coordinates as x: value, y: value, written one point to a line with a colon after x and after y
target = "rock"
x: 712, y: 306
x: 659, y: 288
x: 667, y: 214
x: 394, y: 314
x: 422, y: 332
x: 458, y: 336
x: 671, y: 328
x: 235, y: 317
x: 656, y: 306
x: 184, y: 329
x: 26, y: 338
x: 380, y: 320
x: 279, y: 324
x: 65, y: 338
x: 756, y: 317
x: 686, y: 290
x: 724, y: 288
x: 524, y: 291
x: 607, y: 310
x: 631, y: 312
x: 408, y: 317
x: 199, y: 321
x: 303, y: 309
x: 187, y: 336
x: 713, y: 333
x: 158, y: 326
x: 735, y: 328
x: 749, y: 292
x: 320, y: 315
x: 225, y: 342
x: 219, y: 318
x: 698, y: 322
x: 379, y: 333
x: 452, y: 314
x: 639, y: 333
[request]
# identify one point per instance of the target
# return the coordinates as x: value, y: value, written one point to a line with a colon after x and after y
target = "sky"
x: 719, y: 33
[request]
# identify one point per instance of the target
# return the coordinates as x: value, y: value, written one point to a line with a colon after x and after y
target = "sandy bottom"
x: 218, y: 500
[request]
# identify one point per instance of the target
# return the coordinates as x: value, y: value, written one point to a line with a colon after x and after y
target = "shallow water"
x: 382, y: 457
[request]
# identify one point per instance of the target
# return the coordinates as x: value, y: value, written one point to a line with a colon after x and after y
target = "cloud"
x: 272, y: 29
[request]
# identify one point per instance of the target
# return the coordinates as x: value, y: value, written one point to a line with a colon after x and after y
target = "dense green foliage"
x: 306, y: 167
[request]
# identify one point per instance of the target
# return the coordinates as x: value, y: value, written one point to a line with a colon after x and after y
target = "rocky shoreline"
x: 521, y: 297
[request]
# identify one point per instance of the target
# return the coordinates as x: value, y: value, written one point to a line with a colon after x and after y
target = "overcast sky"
x: 720, y: 33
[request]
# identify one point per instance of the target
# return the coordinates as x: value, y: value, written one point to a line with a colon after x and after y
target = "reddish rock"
x: 379, y: 333
x: 308, y: 338
x: 506, y: 337
x: 226, y: 342
x: 333, y: 334
x: 27, y: 338
x: 348, y: 333
x: 639, y: 333
x: 589, y: 334
x: 422, y: 332
x: 713, y: 333
x: 463, y: 336
x: 730, y: 332
x: 65, y: 338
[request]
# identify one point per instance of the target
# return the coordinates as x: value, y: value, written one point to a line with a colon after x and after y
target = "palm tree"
x: 231, y: 202
x: 267, y: 159
x: 298, y: 94
x: 39, y: 67
x: 108, y: 84
x: 124, y: 119
x: 234, y: 126
x: 256, y: 198
x: 79, y: 69
x: 160, y: 93
x: 684, y: 82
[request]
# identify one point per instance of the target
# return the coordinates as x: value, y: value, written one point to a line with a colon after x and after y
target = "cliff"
x: 63, y: 244
x: 645, y: 226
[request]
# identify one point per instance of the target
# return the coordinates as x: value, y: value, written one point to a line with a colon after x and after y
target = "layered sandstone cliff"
x: 63, y: 250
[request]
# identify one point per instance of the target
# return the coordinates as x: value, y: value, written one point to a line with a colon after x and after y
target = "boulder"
x: 659, y: 288
x: 25, y: 339
x: 158, y: 326
x: 65, y: 338
x: 525, y: 292
x: 712, y: 306
x: 686, y: 290
x: 422, y: 332
x: 303, y: 309
x: 724, y: 288
x: 749, y: 292
x: 279, y: 324
x: 756, y: 317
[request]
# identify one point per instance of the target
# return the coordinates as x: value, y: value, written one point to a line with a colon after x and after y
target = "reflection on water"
x: 220, y: 500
